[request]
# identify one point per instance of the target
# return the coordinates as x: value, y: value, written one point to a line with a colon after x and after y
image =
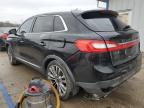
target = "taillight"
x: 100, y: 46
x: 121, y: 46
x: 92, y: 45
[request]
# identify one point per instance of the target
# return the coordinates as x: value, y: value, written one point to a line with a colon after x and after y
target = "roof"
x: 109, y: 12
x: 78, y: 12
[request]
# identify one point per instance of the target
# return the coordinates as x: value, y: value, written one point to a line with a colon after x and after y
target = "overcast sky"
x: 18, y: 10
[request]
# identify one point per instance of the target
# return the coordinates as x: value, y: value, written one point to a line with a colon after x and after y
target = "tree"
x: 8, y: 24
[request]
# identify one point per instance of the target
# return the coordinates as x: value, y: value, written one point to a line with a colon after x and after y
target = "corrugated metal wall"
x: 137, y: 8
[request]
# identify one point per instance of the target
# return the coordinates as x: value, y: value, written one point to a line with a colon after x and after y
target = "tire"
x: 11, y: 57
x: 58, y: 75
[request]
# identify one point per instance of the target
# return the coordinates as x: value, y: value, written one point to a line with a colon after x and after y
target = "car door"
x: 21, y: 48
x: 38, y: 40
x: 58, y: 37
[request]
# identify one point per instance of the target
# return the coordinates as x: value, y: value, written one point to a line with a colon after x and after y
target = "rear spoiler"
x: 104, y: 12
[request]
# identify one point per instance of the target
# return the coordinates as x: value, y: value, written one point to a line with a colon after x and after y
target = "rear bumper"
x: 103, y: 88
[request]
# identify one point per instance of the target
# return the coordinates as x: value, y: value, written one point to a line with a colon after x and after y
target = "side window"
x: 58, y: 24
x: 43, y: 24
x: 26, y: 26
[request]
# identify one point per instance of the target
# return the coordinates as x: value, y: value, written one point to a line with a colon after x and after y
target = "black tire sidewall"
x: 13, y: 61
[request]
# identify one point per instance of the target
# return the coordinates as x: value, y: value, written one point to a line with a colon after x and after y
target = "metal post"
x: 106, y: 1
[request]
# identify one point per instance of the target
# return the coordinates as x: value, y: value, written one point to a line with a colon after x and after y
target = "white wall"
x: 137, y: 9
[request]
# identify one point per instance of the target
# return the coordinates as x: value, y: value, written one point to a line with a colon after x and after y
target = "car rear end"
x: 106, y: 63
x: 3, y: 38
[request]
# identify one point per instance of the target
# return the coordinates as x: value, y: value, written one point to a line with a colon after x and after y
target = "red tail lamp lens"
x: 91, y: 45
x: 100, y: 46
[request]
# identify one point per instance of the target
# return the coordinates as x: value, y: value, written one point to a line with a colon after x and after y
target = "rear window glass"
x: 43, y: 24
x: 103, y: 22
x: 58, y: 25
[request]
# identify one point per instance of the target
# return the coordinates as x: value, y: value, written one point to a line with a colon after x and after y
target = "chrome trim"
x: 27, y: 62
x: 64, y: 24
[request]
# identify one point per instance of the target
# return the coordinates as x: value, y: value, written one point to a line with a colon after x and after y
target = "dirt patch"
x: 128, y: 95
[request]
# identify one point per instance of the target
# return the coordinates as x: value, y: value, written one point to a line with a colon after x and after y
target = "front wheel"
x: 11, y: 57
x: 57, y: 74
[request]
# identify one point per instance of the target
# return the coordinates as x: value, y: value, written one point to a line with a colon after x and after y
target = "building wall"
x: 137, y: 14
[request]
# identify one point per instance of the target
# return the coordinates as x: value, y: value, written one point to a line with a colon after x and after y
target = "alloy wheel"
x: 58, y: 79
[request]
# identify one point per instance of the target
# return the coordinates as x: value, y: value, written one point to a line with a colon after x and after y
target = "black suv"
x: 92, y: 50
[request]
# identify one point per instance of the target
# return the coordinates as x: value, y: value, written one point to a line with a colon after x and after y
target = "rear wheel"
x: 11, y: 57
x: 57, y: 74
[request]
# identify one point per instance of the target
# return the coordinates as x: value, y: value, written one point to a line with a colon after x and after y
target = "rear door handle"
x: 42, y: 43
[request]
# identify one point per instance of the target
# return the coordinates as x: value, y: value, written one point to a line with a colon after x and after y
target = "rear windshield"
x: 103, y: 22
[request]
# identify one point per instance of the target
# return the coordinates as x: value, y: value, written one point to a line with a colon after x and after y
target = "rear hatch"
x: 112, y: 30
x: 129, y: 45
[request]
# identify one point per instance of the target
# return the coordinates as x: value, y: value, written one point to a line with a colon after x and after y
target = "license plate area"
x: 122, y: 56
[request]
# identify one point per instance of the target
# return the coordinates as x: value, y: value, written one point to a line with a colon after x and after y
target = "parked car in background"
x: 3, y: 38
x: 92, y: 50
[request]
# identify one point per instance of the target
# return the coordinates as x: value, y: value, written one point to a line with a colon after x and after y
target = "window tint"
x: 101, y: 24
x: 26, y: 26
x: 105, y: 24
x: 103, y: 21
x: 43, y: 24
x: 58, y: 24
x: 120, y: 24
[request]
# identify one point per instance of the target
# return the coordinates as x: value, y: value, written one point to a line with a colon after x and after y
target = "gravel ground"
x: 128, y: 95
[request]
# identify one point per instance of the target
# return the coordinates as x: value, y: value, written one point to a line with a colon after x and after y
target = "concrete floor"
x: 128, y: 95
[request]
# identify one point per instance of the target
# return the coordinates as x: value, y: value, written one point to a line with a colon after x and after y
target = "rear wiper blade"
x: 126, y: 27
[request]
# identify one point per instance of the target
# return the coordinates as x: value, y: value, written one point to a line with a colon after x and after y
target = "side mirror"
x: 12, y: 31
